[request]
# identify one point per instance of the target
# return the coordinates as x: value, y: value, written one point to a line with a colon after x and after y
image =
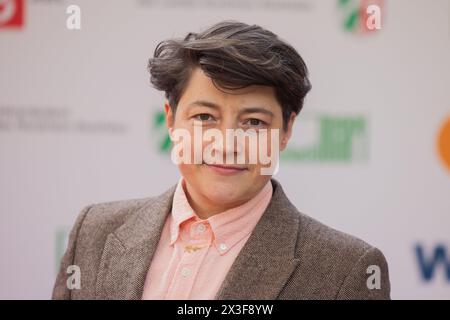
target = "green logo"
x: 159, y: 127
x: 351, y: 11
x: 338, y: 139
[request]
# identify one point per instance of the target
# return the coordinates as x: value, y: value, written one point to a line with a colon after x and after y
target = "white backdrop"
x: 79, y: 125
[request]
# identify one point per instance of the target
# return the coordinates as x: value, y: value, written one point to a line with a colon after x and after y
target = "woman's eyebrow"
x: 204, y: 103
x: 257, y: 110
x: 244, y: 110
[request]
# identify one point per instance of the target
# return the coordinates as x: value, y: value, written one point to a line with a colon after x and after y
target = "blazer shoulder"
x: 86, y: 241
x: 337, y: 264
x: 110, y: 215
x: 321, y: 237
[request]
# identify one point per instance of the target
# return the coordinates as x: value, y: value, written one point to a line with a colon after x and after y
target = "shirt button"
x: 201, y: 228
x: 223, y: 247
x: 185, y: 272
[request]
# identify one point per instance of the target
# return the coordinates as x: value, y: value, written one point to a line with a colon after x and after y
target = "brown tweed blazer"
x: 288, y: 255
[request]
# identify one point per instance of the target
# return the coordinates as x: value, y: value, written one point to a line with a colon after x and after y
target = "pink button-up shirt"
x: 194, y: 255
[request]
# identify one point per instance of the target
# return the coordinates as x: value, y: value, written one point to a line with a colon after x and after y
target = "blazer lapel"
x: 128, y: 251
x: 267, y: 260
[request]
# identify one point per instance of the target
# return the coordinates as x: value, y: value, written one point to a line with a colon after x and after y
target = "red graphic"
x: 11, y: 14
x: 365, y: 16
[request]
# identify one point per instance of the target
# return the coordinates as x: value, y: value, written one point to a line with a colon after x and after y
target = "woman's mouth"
x: 226, y: 169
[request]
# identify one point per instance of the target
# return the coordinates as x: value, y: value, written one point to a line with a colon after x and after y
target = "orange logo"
x: 444, y: 143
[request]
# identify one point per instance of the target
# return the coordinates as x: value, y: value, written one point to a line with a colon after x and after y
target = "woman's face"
x: 204, y: 106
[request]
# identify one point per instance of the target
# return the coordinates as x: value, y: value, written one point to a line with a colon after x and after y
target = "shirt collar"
x: 230, y: 226
x: 181, y: 211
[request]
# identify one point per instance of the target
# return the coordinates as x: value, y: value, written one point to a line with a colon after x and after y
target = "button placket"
x: 190, y: 261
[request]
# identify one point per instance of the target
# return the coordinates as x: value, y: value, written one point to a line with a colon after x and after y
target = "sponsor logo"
x: 443, y: 143
x: 433, y: 261
x: 11, y: 14
x: 329, y: 139
x: 361, y: 16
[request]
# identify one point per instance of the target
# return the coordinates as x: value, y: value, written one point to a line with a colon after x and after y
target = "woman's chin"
x: 225, y: 196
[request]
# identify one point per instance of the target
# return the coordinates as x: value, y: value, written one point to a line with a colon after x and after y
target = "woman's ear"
x: 288, y: 132
x: 169, y: 117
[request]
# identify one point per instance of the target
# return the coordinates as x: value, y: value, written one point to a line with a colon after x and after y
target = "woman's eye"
x: 203, y: 117
x: 255, y: 122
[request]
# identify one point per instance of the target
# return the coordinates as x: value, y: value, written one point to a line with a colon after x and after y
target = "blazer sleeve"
x: 60, y: 289
x: 368, y: 279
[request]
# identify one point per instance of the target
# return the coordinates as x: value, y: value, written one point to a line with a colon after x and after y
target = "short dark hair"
x: 234, y: 55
